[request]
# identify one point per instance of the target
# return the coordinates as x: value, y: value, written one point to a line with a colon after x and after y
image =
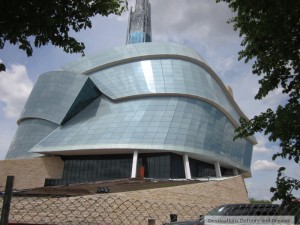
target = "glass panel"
x: 29, y: 133
x: 201, y: 169
x: 79, y: 169
x: 192, y: 126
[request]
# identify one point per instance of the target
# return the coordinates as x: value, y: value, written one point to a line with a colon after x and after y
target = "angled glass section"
x: 53, y: 95
x: 177, y: 124
x: 88, y: 94
x: 29, y: 133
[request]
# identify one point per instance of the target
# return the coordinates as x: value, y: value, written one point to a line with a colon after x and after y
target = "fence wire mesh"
x: 98, y: 209
x: 113, y: 210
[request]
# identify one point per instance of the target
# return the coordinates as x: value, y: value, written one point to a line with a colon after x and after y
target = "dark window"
x: 226, y: 172
x: 162, y: 165
x: 201, y: 169
x: 79, y: 169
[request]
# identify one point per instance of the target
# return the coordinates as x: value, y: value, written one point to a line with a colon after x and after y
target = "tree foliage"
x: 256, y: 201
x: 285, y: 187
x: 271, y: 38
x: 38, y: 23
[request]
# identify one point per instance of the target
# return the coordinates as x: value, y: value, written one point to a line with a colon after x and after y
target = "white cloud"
x: 190, y: 19
x: 262, y: 146
x: 264, y: 165
x: 6, y: 135
x: 15, y: 87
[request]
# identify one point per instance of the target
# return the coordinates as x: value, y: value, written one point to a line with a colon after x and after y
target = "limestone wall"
x: 231, y: 190
x: 132, y: 207
x: 30, y: 173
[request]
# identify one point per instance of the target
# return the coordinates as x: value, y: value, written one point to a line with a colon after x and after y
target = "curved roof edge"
x: 127, y: 52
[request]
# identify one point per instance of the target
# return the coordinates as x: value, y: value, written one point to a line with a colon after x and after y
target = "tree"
x: 256, y: 201
x: 38, y: 23
x: 270, y: 30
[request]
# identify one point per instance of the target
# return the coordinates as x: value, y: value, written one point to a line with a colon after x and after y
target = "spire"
x: 139, y: 27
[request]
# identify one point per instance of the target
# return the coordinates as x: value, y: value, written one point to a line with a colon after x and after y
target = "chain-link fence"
x: 107, y: 209
x: 97, y: 209
x: 104, y: 209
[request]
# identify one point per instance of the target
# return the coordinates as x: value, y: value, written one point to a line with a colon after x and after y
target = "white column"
x: 134, y: 164
x: 235, y: 172
x: 218, y: 169
x: 186, y: 164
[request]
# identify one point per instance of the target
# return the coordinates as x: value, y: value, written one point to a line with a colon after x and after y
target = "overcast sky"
x: 199, y: 24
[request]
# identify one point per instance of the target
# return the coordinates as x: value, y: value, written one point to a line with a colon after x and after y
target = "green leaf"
x: 51, y: 21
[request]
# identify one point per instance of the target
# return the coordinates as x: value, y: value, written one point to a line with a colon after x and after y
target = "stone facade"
x: 30, y: 173
x: 231, y: 190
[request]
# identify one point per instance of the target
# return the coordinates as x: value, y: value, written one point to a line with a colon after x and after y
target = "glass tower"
x: 139, y: 26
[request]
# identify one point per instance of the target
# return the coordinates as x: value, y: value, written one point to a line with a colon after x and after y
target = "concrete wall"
x: 30, y: 173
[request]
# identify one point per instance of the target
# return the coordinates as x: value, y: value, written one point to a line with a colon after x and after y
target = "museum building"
x: 148, y: 109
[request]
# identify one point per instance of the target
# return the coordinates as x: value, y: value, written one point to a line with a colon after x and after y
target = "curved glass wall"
x: 53, y: 95
x: 157, y: 97
x: 176, y: 124
x: 165, y: 76
x: 134, y: 52
x: 28, y: 134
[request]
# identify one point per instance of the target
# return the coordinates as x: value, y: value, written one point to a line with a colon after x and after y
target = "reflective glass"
x: 139, y: 78
x: 81, y: 169
x: 201, y: 169
x: 29, y: 133
x: 206, y: 131
x: 129, y: 52
x: 53, y: 95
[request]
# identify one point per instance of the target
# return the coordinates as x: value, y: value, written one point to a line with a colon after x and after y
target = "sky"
x: 199, y: 24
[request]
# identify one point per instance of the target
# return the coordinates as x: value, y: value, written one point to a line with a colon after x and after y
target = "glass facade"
x: 29, y: 132
x: 81, y: 169
x: 87, y: 95
x: 150, y: 97
x: 53, y: 95
x: 165, y: 76
x: 161, y: 165
x: 201, y: 169
x: 179, y: 124
x: 131, y: 53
